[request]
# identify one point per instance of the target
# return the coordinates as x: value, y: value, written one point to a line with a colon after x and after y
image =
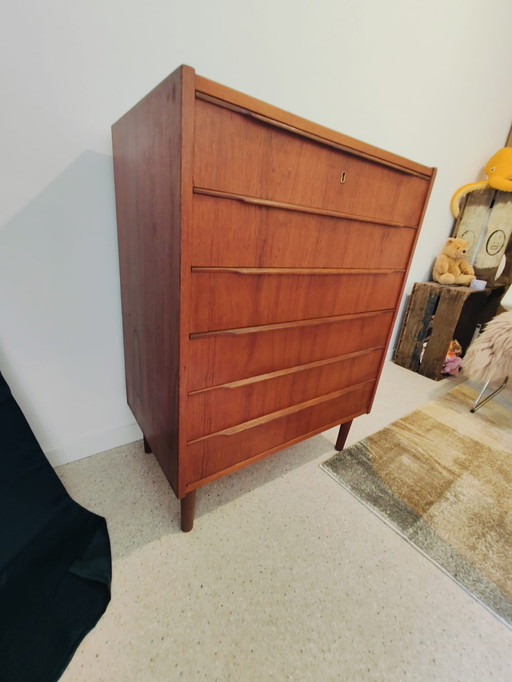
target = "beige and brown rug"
x: 442, y: 478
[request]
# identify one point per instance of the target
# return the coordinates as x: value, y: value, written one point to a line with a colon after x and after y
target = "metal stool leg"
x: 479, y: 402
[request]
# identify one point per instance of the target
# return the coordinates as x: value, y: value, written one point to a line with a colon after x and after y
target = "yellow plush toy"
x: 499, y: 176
x: 450, y: 266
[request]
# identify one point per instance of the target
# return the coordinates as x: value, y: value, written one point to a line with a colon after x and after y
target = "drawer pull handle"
x: 343, y: 177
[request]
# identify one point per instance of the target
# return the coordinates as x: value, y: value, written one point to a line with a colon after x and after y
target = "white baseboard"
x: 92, y: 444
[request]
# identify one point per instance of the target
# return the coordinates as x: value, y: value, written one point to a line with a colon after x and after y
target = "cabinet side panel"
x: 147, y: 160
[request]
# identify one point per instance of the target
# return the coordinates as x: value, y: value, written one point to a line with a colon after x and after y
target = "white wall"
x: 428, y: 80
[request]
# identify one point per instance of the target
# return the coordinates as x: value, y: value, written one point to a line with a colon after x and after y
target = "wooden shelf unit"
x: 436, y: 314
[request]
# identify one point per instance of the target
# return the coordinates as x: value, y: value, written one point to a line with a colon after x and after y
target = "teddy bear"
x: 450, y: 266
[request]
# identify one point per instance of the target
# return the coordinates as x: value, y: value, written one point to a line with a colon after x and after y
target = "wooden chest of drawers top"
x: 235, y: 152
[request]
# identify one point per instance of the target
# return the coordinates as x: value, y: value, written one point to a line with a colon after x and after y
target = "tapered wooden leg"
x: 147, y: 447
x: 342, y: 435
x: 188, y: 508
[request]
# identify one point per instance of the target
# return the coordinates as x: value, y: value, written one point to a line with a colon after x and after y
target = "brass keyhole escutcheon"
x: 343, y: 177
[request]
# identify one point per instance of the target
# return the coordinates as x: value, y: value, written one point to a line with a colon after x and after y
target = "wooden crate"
x: 435, y: 315
x: 485, y: 221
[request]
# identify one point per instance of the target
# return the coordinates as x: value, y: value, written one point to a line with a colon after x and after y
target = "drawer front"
x: 236, y: 153
x: 215, y: 409
x: 230, y: 233
x: 227, y: 299
x: 220, y: 358
x: 213, y: 455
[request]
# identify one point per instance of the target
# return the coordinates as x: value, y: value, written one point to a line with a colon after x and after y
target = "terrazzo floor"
x: 285, y: 576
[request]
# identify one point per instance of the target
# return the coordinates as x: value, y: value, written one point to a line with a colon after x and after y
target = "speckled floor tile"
x: 285, y: 576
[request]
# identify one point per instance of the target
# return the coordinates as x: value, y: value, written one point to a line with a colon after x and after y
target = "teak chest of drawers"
x: 262, y: 260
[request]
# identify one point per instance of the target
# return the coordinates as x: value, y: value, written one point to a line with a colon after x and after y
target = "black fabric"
x: 55, y: 562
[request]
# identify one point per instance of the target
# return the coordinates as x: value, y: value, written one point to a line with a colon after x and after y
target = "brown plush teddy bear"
x: 450, y: 266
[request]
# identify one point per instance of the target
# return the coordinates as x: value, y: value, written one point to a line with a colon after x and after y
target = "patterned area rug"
x: 442, y: 478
